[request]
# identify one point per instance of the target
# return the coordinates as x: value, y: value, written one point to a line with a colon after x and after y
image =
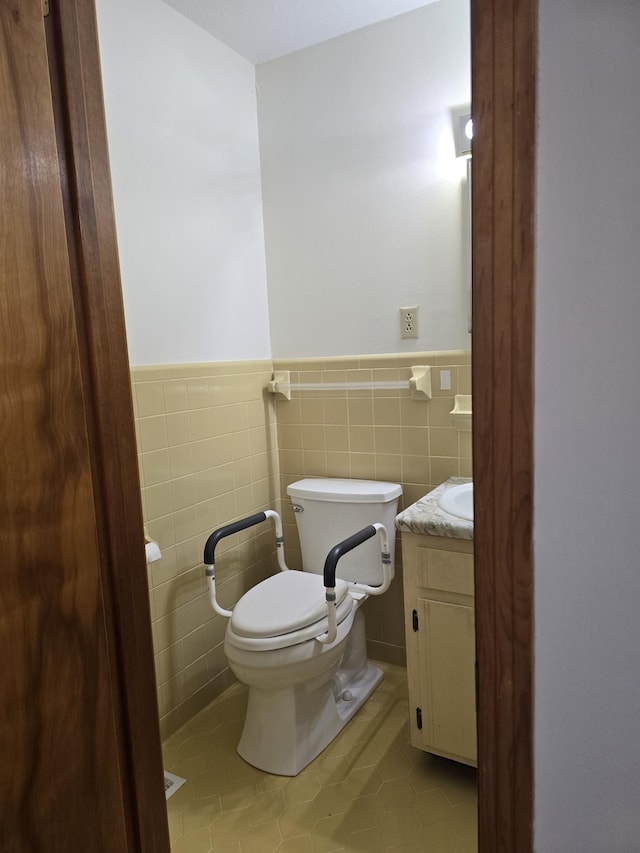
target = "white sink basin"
x: 458, y: 501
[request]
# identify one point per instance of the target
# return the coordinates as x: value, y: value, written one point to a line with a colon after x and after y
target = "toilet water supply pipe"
x: 227, y: 530
x: 331, y: 563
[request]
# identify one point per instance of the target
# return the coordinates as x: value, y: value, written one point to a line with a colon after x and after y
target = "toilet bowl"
x: 305, y: 681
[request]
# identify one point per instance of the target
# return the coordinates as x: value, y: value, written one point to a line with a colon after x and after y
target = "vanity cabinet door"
x: 446, y: 656
x: 440, y: 634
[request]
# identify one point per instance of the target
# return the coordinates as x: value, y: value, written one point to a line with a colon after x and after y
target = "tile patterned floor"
x: 368, y: 792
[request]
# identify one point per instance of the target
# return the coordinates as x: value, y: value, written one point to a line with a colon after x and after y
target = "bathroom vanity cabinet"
x: 440, y: 635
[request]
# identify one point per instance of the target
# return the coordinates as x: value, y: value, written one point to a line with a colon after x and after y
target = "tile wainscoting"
x: 214, y: 446
x: 207, y: 451
x: 373, y: 434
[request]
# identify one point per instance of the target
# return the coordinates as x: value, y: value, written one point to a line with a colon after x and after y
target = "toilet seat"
x: 284, y: 610
x: 283, y: 603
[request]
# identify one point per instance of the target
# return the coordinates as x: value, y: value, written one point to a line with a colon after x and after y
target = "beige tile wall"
x: 210, y: 452
x: 373, y: 434
x: 207, y: 451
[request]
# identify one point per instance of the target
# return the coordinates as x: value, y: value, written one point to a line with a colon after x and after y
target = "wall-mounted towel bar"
x: 419, y: 384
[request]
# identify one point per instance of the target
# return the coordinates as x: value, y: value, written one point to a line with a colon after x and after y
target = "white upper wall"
x: 183, y: 144
x: 362, y: 193
x: 587, y: 449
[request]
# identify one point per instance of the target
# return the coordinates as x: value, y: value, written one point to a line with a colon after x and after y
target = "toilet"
x: 305, y: 680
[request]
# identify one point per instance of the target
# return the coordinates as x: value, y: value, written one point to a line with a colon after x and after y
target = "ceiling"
x: 261, y: 30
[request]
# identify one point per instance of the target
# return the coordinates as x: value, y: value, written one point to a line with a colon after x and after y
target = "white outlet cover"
x: 409, y: 322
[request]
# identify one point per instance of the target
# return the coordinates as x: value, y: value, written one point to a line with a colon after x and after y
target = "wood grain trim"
x: 107, y: 387
x: 504, y: 73
x: 57, y: 726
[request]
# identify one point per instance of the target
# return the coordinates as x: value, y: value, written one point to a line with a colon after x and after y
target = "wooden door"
x: 504, y: 71
x: 74, y: 775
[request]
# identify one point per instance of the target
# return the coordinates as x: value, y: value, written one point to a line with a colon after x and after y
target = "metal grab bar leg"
x: 331, y: 563
x: 228, y: 530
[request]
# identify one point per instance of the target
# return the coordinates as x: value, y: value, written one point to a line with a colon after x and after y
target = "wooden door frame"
x: 503, y: 88
x: 504, y: 101
x: 74, y: 63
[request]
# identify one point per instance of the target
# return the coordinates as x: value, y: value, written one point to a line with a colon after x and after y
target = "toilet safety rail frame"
x: 331, y: 563
x: 228, y: 530
x: 329, y: 571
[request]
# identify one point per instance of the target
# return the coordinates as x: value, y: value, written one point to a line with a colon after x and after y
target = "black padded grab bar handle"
x: 341, y: 549
x: 227, y: 530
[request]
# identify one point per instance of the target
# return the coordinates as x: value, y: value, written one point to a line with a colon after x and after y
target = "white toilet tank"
x: 329, y: 510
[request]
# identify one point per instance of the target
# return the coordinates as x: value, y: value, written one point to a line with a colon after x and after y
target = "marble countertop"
x: 426, y: 516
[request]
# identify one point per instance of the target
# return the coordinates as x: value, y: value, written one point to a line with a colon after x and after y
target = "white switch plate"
x: 445, y: 380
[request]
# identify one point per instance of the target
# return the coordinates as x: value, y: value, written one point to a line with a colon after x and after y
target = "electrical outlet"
x: 409, y: 322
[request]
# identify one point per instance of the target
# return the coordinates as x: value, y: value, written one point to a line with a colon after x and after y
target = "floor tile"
x: 368, y: 792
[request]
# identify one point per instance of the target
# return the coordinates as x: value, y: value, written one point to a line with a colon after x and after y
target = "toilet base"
x: 286, y: 728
